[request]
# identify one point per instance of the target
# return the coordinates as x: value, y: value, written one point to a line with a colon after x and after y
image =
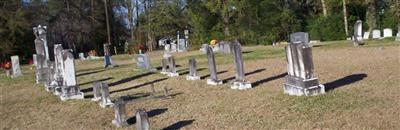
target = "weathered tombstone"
x: 120, y: 113
x: 240, y: 82
x: 70, y: 89
x: 143, y: 62
x: 16, y: 68
x: 300, y: 79
x: 51, y: 82
x: 357, y: 36
x: 82, y: 56
x: 192, y: 70
x: 224, y: 47
x: 174, y: 46
x: 142, y: 120
x: 164, y: 63
x: 59, y: 68
x: 366, y: 35
x: 181, y: 45
x: 398, y: 36
x: 96, y: 91
x: 172, y: 67
x: 376, y: 34
x: 299, y: 37
x: 41, y: 34
x: 41, y: 65
x: 387, y: 32
x: 107, y: 56
x: 212, y: 67
x: 105, y: 96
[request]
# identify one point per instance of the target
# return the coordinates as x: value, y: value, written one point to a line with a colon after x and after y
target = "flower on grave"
x: 7, y: 65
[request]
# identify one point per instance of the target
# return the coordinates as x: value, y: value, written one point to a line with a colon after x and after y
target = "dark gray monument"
x: 120, y: 113
x: 16, y: 68
x: 105, y: 96
x: 142, y: 120
x: 240, y: 82
x: 212, y: 67
x: 301, y: 79
x: 192, y: 70
x: 70, y: 89
x: 172, y: 67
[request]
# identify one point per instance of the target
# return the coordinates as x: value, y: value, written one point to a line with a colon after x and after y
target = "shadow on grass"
x: 87, y: 73
x: 208, y: 75
x: 248, y: 73
x: 179, y: 125
x: 91, y: 89
x: 150, y: 113
x: 187, y: 72
x: 344, y: 81
x: 129, y: 79
x: 140, y: 85
x: 160, y: 67
x: 245, y: 52
x: 258, y: 82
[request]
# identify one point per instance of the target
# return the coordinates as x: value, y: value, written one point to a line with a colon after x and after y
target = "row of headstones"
x: 358, y: 37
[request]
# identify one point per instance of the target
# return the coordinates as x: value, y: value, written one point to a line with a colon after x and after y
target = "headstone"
x: 126, y: 47
x: 16, y: 68
x: 240, y: 82
x: 212, y: 67
x: 181, y: 45
x: 224, y: 47
x: 192, y: 70
x: 142, y: 120
x: 398, y: 36
x: 164, y: 64
x: 366, y: 35
x: 107, y: 56
x: 172, y: 67
x: 174, y: 46
x: 299, y: 37
x: 41, y: 65
x: 105, y: 96
x: 59, y: 67
x: 143, y: 62
x: 376, y: 34
x: 96, y: 91
x: 70, y: 89
x: 41, y: 34
x: 82, y: 56
x: 120, y: 113
x: 357, y: 36
x: 300, y: 79
x: 387, y: 32
x: 51, y: 82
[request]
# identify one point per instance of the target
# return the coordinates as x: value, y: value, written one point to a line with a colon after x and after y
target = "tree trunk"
x: 107, y: 22
x: 371, y: 15
x: 346, y: 26
x: 130, y: 18
x: 225, y: 20
x: 324, y: 8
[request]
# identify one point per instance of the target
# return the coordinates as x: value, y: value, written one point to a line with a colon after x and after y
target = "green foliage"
x: 327, y: 28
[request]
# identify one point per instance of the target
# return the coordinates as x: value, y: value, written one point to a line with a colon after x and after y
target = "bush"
x: 327, y: 28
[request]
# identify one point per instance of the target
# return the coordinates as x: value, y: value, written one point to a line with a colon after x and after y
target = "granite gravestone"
x: 172, y: 67
x: 142, y: 120
x: 224, y: 47
x: 387, y: 32
x: 41, y: 66
x: 120, y: 113
x: 16, y: 68
x: 299, y: 37
x: 212, y: 67
x: 105, y: 96
x: 70, y: 89
x: 240, y: 82
x: 376, y: 34
x: 41, y: 34
x: 96, y: 91
x: 300, y: 79
x: 357, y: 36
x: 143, y: 62
x: 107, y: 56
x: 192, y: 70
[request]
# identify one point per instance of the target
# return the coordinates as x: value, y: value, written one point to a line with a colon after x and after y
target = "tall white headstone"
x: 16, y: 69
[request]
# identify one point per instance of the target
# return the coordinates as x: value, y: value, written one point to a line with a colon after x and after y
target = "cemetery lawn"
x: 363, y: 92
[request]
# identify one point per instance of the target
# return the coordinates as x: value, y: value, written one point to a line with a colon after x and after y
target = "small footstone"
x: 214, y: 82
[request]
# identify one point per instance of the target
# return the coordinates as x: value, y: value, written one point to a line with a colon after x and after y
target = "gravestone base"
x: 241, y: 85
x: 214, y: 82
x: 299, y: 87
x: 106, y: 104
x: 164, y: 72
x: 70, y: 92
x: 119, y: 123
x: 192, y: 77
x: 170, y: 74
x: 95, y: 99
